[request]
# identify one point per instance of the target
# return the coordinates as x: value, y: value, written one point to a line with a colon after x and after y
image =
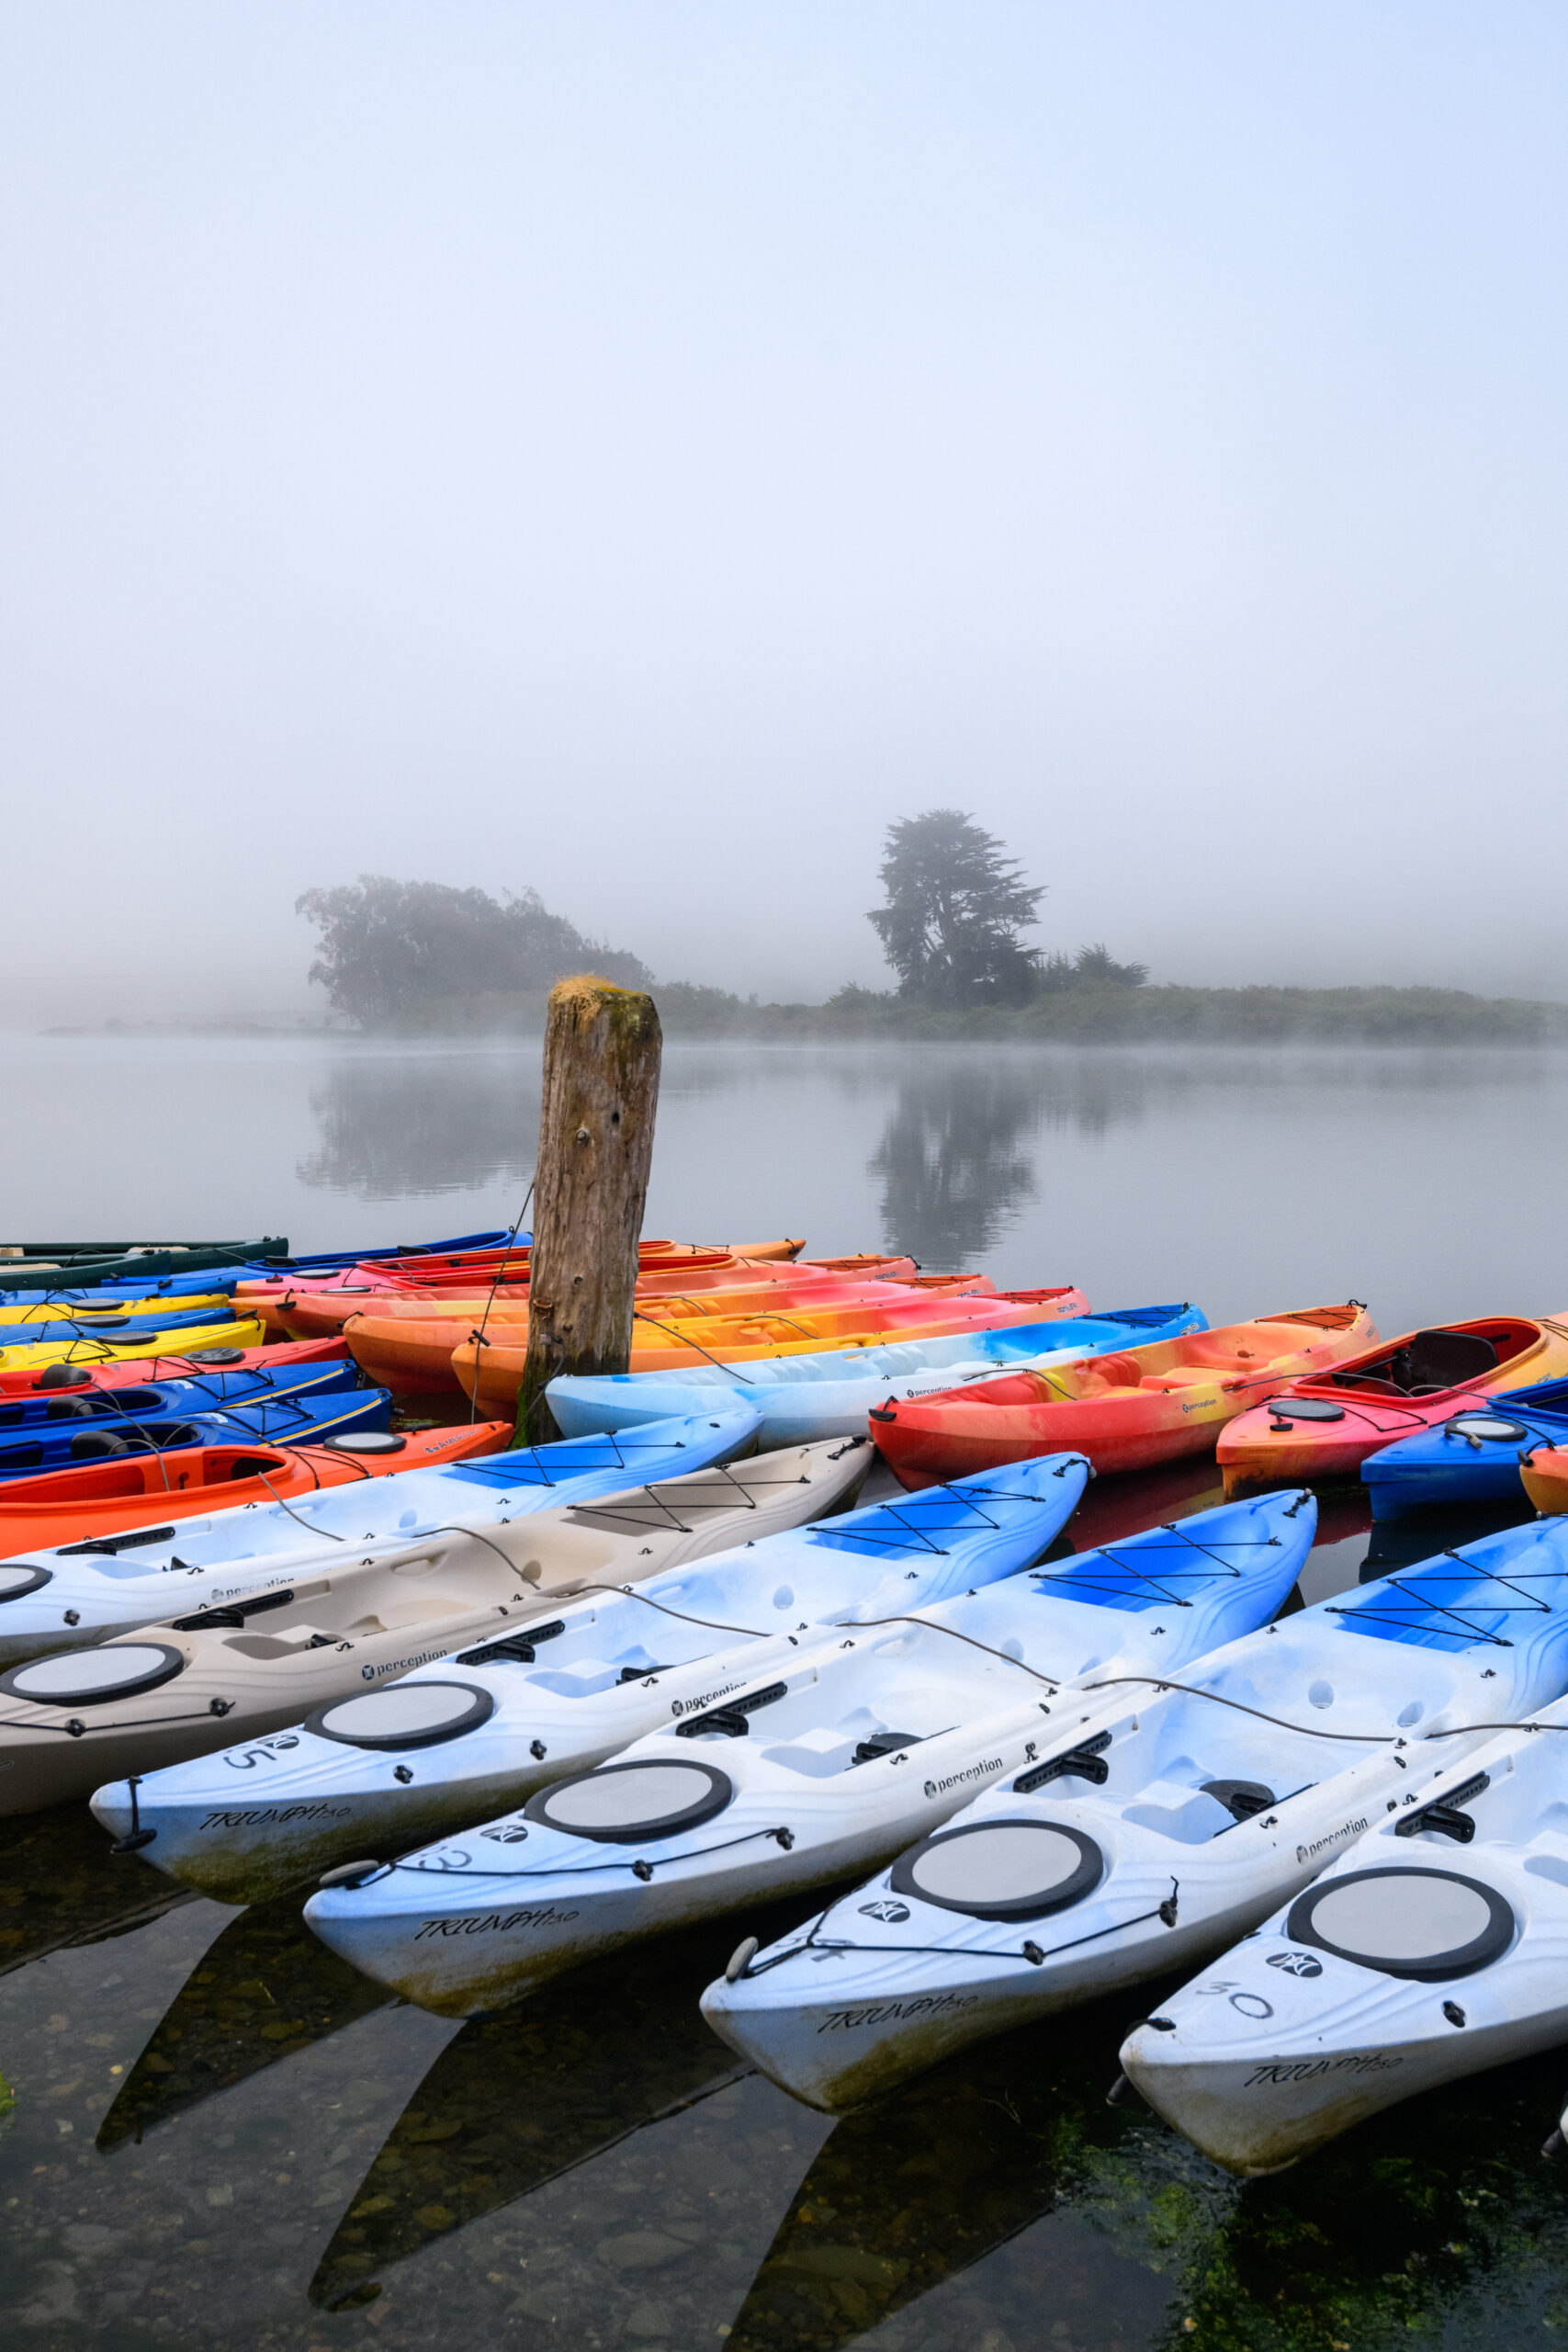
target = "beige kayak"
x: 184, y: 1685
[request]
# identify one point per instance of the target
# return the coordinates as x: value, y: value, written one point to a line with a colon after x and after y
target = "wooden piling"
x: 602, y: 1055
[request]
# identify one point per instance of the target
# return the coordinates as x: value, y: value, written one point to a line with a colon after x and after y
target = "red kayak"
x: 95, y: 1499
x: 1324, y: 1428
x: 135, y: 1372
x: 1127, y: 1411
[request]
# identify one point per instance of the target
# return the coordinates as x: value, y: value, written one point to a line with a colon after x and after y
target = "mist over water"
x: 1421, y: 1181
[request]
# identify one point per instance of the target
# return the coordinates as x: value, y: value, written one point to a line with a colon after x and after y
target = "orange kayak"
x: 1545, y: 1470
x: 727, y: 1340
x: 1126, y: 1411
x: 1324, y: 1427
x: 729, y: 1290
x: 97, y: 1500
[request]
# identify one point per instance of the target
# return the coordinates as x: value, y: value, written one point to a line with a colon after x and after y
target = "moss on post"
x: 602, y: 1054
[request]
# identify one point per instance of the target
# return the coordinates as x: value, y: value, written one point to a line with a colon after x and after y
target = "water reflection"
x: 517, y: 2101
x: 59, y: 1885
x: 955, y: 1161
x: 390, y: 1126
x: 266, y: 1989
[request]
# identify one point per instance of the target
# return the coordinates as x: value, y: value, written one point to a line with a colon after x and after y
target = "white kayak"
x: 622, y: 1666
x: 851, y: 1747
x: 1436, y: 1947
x: 263, y: 1814
x: 76, y: 1593
x: 829, y: 1394
x: 1173, y: 1822
x: 174, y: 1689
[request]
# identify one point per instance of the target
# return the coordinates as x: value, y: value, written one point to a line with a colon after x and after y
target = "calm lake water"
x: 222, y: 2134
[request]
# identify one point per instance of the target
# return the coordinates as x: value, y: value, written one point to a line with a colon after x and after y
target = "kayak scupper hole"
x: 785, y: 1596
x: 1320, y: 1694
x: 1411, y: 1714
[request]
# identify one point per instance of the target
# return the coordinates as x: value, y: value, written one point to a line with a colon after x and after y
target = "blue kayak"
x: 829, y: 1394
x: 309, y: 1420
x: 68, y: 1391
x: 1473, y: 1458
x: 333, y: 1262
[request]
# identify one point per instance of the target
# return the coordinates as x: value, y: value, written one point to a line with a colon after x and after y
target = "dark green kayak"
x: 46, y: 1266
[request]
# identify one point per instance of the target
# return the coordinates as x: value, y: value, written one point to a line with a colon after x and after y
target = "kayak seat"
x: 1444, y: 1359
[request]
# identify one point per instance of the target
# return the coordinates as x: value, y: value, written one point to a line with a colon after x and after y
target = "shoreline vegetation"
x: 1087, y: 1015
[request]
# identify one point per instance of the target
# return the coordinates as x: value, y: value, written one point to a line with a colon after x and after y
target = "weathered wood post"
x: 602, y: 1050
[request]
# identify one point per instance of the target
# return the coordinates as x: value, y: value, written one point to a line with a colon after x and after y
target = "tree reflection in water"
x: 396, y: 1126
x: 955, y: 1159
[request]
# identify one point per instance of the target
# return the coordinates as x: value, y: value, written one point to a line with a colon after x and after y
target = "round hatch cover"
x: 623, y: 1804
x: 85, y: 1678
x: 366, y: 1441
x: 1425, y: 1924
x: 1001, y: 1870
x: 406, y: 1714
x: 1488, y: 1425
x: 216, y: 1355
x: 1306, y: 1408
x: 19, y: 1577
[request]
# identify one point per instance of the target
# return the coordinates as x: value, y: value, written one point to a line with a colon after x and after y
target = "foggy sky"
x: 638, y: 449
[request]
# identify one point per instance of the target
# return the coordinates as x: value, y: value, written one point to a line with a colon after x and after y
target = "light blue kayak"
x: 830, y: 1394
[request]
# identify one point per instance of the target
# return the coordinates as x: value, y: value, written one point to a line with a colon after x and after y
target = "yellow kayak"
x: 133, y: 1310
x: 232, y: 1332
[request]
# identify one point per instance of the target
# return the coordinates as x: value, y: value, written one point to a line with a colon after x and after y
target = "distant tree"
x: 955, y: 906
x: 386, y: 947
x: 1091, y: 966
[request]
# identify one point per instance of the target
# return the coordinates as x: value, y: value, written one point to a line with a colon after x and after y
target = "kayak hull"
x: 1127, y: 1411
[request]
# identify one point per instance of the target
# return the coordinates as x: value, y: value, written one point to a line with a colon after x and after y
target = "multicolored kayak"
x: 1125, y: 1411
x: 1322, y: 1428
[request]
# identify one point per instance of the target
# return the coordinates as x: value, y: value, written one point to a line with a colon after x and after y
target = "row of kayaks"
x: 524, y: 1706
x: 1052, y: 1776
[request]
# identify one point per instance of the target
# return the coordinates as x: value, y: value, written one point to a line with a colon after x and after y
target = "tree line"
x: 954, y: 905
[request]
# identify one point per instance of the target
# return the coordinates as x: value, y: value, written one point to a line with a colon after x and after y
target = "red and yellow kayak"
x: 492, y: 1374
x: 102, y: 1499
x: 1125, y: 1411
x: 1324, y: 1427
